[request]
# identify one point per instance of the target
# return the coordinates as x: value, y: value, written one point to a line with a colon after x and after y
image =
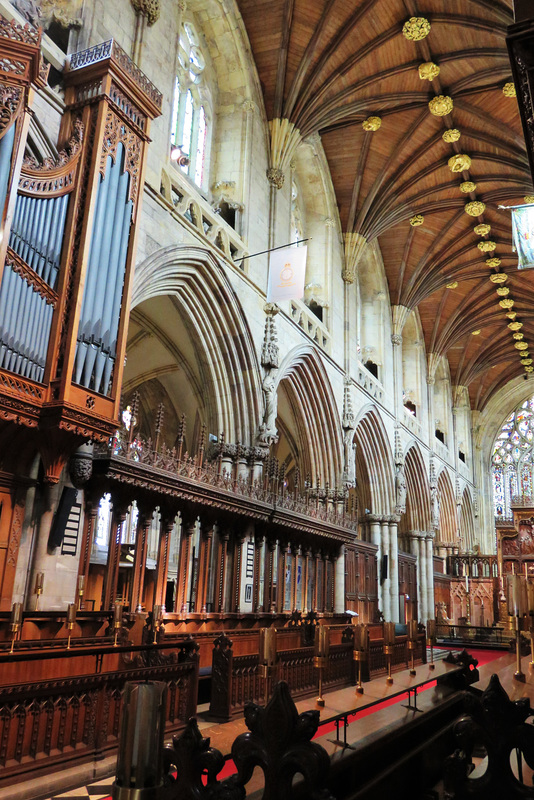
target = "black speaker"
x: 384, y: 569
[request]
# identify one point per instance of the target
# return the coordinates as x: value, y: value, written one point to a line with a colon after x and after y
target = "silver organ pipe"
x: 6, y: 151
x: 25, y: 309
x: 99, y: 320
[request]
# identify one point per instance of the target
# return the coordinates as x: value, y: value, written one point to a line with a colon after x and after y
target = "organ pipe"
x: 99, y: 321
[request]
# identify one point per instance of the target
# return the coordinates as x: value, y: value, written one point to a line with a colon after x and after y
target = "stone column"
x: 374, y: 526
x: 431, y: 611
x: 430, y: 380
x: 396, y: 341
x: 412, y: 539
x: 339, y: 577
x: 385, y: 582
x: 394, y: 568
x: 422, y: 578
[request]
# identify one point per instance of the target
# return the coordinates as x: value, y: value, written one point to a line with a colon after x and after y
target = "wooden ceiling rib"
x: 326, y: 65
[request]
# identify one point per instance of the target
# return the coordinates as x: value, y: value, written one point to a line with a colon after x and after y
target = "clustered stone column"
x: 421, y: 546
x: 383, y: 532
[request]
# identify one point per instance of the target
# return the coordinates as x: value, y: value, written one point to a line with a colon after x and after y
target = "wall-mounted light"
x: 177, y: 155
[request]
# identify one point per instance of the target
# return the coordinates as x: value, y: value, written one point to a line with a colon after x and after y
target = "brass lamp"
x: 157, y: 619
x: 516, y: 592
x: 322, y: 651
x: 71, y: 620
x: 413, y: 632
x: 431, y: 639
x: 361, y: 648
x: 389, y: 646
x: 117, y: 620
x: 268, y: 656
x: 39, y: 583
x: 530, y: 604
x: 15, y: 623
x: 80, y: 590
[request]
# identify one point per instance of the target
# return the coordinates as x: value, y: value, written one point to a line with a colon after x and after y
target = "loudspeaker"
x: 384, y: 569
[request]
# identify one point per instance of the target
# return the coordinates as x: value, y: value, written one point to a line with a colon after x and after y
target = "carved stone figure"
x: 434, y: 504
x: 268, y: 432
x: 349, y: 447
x: 400, y: 488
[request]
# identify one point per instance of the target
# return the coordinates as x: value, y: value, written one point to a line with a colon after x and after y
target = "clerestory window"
x: 191, y: 128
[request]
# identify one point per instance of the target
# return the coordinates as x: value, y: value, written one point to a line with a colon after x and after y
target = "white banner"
x: 523, y: 235
x: 287, y: 271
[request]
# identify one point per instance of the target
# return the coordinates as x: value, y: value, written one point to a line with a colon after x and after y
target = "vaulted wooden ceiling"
x: 329, y: 65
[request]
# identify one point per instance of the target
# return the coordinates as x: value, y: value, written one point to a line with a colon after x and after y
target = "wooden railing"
x: 72, y: 720
x: 237, y: 680
x: 479, y: 634
x: 377, y: 663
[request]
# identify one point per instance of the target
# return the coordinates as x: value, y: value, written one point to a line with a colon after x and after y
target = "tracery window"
x: 513, y: 458
x: 190, y: 129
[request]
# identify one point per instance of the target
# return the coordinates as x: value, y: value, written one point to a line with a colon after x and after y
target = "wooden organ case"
x: 67, y: 250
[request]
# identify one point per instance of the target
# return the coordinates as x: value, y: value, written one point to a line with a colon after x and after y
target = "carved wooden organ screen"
x: 68, y: 238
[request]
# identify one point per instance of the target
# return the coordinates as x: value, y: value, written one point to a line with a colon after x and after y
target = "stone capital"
x: 373, y: 518
x: 275, y: 177
x: 396, y: 339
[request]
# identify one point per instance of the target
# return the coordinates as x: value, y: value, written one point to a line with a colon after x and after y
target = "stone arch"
x: 467, y: 521
x: 374, y: 464
x: 207, y: 335
x: 413, y: 367
x: 306, y: 396
x: 418, y: 513
x: 448, y: 519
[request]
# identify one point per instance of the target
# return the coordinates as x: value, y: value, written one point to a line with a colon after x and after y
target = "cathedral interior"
x: 189, y: 465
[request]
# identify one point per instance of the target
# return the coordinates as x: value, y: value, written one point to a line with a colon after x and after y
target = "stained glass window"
x: 190, y: 125
x: 513, y: 459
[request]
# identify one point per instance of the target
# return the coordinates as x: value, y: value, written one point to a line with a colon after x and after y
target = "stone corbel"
x: 285, y: 138
x: 354, y: 246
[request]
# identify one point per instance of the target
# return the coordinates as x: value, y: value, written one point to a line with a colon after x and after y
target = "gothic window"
x: 191, y: 128
x: 513, y: 458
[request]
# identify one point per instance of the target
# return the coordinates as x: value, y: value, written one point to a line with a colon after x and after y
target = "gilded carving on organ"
x: 10, y: 105
x: 116, y: 132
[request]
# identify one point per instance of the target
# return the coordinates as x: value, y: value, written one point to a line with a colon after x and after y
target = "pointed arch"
x: 374, y: 464
x: 418, y: 515
x: 302, y: 377
x: 448, y: 520
x: 467, y: 521
x: 217, y: 327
